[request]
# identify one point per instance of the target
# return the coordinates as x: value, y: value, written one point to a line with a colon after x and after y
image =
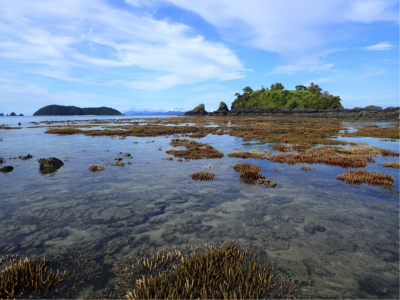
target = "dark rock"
x: 197, y: 112
x: 6, y: 169
x: 1, y: 115
x: 13, y: 114
x: 48, y: 165
x: 25, y: 157
x: 357, y: 108
x: 313, y: 228
x: 21, y: 115
x: 2, y: 160
x: 373, y: 108
x: 374, y: 285
x: 390, y: 108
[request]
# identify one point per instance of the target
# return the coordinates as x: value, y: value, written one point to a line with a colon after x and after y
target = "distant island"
x: 157, y: 113
x: 61, y: 110
x: 13, y: 114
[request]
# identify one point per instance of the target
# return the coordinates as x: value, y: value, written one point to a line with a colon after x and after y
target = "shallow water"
x: 153, y: 202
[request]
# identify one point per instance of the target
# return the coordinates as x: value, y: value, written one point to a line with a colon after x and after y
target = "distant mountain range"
x: 157, y: 113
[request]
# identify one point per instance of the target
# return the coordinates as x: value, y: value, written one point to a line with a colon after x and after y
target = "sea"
x: 333, y: 239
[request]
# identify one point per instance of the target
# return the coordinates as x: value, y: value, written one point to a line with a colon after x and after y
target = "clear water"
x: 154, y: 200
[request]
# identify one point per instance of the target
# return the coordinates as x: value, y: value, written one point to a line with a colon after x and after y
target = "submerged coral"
x: 203, y: 176
x: 215, y: 273
x: 28, y: 278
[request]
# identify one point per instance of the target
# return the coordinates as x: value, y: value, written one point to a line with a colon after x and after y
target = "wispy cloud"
x: 383, y: 46
x: 85, y: 35
x: 292, y: 29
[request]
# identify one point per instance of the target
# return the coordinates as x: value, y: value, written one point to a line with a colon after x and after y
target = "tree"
x: 301, y: 88
x: 277, y: 86
x: 314, y: 88
x: 247, y: 89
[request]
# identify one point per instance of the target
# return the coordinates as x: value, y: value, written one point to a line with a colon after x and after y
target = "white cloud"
x: 380, y: 46
x: 66, y: 36
x: 293, y: 29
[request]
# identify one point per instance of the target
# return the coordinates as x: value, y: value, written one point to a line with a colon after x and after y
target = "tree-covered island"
x: 277, y: 97
x: 61, y: 110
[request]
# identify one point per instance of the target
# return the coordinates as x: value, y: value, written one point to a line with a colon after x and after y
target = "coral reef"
x: 80, y: 267
x: 203, y: 176
x: 250, y: 173
x: 363, y: 176
x: 215, y: 273
x: 395, y: 165
x: 194, y: 150
x: 323, y: 155
x: 376, y: 131
x: 307, y: 169
x: 28, y: 278
x: 96, y: 168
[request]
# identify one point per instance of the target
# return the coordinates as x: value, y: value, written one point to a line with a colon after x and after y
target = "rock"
x: 13, y: 114
x: 2, y: 160
x: 197, y: 112
x: 373, y: 108
x: 25, y: 157
x: 313, y: 228
x: 49, y: 165
x: 374, y: 285
x: 6, y: 169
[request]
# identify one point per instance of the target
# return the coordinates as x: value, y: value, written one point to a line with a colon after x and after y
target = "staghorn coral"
x: 80, y: 267
x: 96, y: 168
x: 203, y: 176
x: 395, y: 165
x: 28, y: 278
x: 133, y: 266
x: 194, y: 150
x: 250, y: 173
x: 323, y: 155
x: 307, y: 169
x: 376, y: 131
x: 215, y: 273
x: 362, y: 176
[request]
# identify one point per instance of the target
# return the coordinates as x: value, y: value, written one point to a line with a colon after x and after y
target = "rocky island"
x: 61, y: 110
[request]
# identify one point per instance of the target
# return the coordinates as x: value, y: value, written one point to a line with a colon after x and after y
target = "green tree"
x: 314, y: 88
x: 301, y: 88
x: 277, y: 86
x: 248, y: 90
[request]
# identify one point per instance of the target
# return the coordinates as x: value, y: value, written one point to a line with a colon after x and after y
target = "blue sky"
x: 176, y: 54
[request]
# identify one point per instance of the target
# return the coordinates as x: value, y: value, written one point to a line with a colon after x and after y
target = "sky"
x: 163, y: 55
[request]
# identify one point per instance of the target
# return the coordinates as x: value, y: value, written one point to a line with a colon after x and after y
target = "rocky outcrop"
x: 6, y: 169
x: 369, y: 113
x: 196, y: 112
x: 49, y: 165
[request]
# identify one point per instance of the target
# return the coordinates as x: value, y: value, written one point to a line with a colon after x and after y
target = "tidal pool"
x: 333, y: 239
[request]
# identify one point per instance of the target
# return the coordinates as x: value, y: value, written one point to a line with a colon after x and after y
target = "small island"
x: 61, y: 110
x: 311, y: 97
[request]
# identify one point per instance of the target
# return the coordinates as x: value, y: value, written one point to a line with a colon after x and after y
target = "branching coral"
x: 194, y: 150
x: 217, y: 273
x: 363, y: 176
x: 96, y: 168
x: 203, y: 176
x: 28, y: 278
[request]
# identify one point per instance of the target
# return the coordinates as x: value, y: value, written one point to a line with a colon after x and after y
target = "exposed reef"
x: 366, y: 113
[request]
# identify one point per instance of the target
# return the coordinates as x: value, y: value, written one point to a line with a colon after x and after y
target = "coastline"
x: 371, y: 114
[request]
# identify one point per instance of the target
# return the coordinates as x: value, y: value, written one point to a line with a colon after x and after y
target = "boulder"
x: 25, y: 157
x: 48, y: 165
x: 373, y: 107
x: 6, y: 169
x: 196, y: 112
